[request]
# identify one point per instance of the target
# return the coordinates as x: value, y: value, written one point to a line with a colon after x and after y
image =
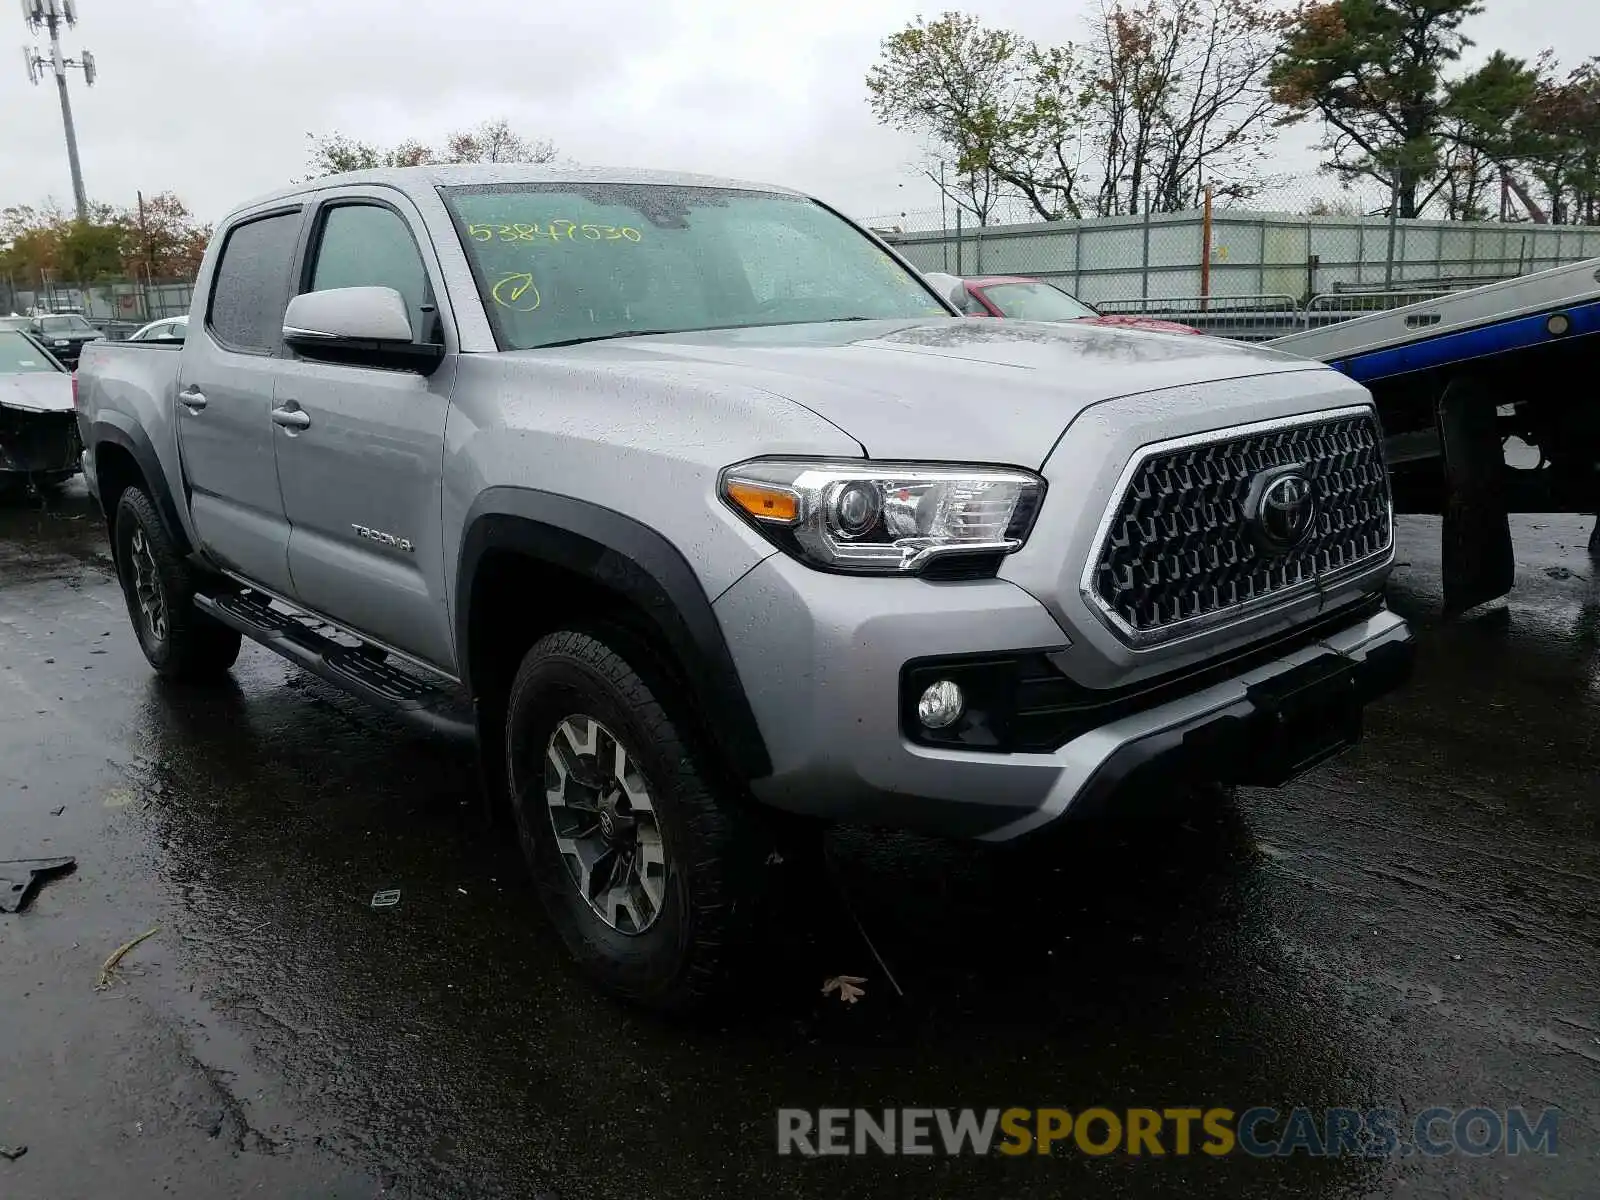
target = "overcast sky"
x: 214, y: 100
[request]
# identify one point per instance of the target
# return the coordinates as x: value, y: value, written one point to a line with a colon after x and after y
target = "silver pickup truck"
x: 711, y: 521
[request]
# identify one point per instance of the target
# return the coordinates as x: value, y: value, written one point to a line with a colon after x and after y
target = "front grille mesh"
x: 1179, y: 547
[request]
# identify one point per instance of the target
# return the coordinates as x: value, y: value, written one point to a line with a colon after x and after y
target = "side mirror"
x: 362, y: 326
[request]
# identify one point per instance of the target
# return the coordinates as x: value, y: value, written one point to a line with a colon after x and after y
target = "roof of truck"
x: 422, y: 179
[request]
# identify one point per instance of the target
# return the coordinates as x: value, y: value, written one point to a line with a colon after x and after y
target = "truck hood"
x: 37, y: 391
x: 946, y: 388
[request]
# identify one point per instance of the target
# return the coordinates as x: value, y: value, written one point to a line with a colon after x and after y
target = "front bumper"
x: 86, y: 463
x: 822, y: 658
x: 38, y: 443
x: 69, y: 354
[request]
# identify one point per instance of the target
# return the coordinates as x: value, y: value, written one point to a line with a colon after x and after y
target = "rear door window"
x: 251, y: 287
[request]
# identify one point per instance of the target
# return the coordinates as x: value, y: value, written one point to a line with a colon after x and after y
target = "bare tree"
x: 1179, y: 89
x: 494, y: 142
x: 1162, y: 90
x: 1467, y: 176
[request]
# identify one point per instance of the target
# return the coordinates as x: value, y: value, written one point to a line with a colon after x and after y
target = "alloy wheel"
x: 605, y: 824
x: 147, y: 586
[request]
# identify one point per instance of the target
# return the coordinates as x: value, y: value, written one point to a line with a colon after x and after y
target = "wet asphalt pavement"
x: 1414, y: 924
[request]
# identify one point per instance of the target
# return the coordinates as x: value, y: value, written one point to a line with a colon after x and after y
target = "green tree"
x: 1559, y: 142
x: 92, y: 249
x: 964, y: 88
x: 113, y: 242
x: 164, y: 238
x: 30, y: 242
x: 1373, y: 72
x: 1536, y: 127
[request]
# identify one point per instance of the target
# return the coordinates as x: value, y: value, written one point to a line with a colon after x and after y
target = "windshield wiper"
x: 621, y: 333
x: 627, y: 333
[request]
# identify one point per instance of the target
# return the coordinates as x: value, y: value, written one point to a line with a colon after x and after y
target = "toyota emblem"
x: 1285, y: 508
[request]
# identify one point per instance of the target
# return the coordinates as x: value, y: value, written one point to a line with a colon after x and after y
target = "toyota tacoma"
x: 695, y: 507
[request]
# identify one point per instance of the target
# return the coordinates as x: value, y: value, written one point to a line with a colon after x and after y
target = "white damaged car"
x: 38, y: 426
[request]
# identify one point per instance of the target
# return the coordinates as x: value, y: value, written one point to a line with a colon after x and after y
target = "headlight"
x: 886, y: 518
x: 61, y: 343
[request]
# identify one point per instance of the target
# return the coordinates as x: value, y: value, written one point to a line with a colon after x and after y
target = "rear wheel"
x: 179, y: 640
x: 648, y: 875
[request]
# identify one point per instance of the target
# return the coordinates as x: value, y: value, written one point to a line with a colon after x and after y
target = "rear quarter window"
x: 251, y: 285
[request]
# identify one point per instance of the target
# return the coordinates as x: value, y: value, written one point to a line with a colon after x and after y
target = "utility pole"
x: 49, y: 16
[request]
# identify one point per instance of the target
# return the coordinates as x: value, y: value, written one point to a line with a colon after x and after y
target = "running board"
x: 360, y: 669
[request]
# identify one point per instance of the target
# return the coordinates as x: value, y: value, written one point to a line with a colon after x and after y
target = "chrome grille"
x: 1177, y: 551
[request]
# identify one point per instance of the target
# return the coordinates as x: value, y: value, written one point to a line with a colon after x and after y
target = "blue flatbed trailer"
x: 1461, y: 379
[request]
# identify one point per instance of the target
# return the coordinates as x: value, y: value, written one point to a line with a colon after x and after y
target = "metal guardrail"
x: 1241, y: 318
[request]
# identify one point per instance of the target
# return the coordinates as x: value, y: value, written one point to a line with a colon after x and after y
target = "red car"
x: 1025, y: 299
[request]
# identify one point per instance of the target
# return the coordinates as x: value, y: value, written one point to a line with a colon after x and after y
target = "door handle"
x: 292, y: 419
x: 192, y: 398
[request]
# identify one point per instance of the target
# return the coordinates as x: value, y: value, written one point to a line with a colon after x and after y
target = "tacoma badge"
x: 386, y: 539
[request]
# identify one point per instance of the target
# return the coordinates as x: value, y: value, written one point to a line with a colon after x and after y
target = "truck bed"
x: 126, y: 396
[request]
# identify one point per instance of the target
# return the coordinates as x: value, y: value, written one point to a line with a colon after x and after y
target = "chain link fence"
x: 1319, y: 254
x: 118, y: 305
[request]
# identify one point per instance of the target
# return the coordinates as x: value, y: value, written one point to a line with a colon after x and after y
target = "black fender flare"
x: 629, y: 558
x: 109, y: 428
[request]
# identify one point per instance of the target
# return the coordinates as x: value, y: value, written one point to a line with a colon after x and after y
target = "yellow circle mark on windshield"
x: 513, y: 292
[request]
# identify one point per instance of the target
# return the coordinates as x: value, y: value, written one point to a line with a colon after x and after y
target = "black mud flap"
x: 1476, y: 553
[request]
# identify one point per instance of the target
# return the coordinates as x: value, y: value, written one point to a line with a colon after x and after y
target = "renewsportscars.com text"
x: 1258, y: 1132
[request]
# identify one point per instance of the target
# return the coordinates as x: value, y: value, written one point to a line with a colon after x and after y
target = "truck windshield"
x: 569, y: 262
x: 1036, y: 302
x: 19, y: 356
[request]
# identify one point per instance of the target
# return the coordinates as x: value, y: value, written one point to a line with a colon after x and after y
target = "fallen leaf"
x: 848, y: 986
x: 116, y: 957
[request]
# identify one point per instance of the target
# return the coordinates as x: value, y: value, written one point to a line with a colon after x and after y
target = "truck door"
x: 225, y: 385
x: 362, y: 463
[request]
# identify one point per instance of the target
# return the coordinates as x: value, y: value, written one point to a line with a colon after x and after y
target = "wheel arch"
x: 517, y: 538
x: 124, y: 457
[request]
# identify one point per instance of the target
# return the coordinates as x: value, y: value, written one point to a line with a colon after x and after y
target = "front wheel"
x: 646, y: 873
x: 179, y: 640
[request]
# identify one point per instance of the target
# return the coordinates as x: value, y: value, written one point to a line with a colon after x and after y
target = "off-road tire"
x: 191, y: 646
x: 717, y: 849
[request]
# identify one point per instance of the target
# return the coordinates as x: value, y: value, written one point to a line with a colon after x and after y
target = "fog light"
x: 941, y: 705
x: 1559, y: 325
